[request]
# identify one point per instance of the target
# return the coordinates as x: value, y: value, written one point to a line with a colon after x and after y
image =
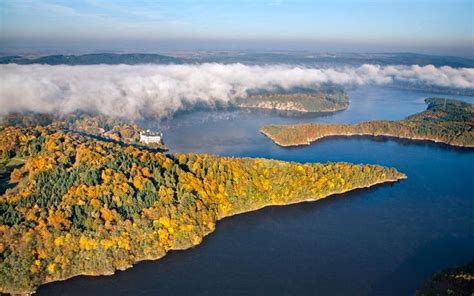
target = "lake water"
x: 380, y: 241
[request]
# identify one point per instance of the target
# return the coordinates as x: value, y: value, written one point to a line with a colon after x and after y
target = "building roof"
x: 149, y: 133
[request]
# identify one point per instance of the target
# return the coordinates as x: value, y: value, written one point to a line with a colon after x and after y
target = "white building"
x: 148, y: 137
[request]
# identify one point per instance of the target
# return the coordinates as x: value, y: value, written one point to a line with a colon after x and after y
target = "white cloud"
x: 160, y: 90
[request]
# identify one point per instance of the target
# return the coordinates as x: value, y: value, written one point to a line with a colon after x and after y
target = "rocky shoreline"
x: 290, y: 106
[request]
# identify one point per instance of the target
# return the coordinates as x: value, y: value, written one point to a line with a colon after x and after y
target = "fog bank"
x: 160, y: 90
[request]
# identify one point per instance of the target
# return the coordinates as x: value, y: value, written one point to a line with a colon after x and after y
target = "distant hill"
x: 335, y: 59
x: 249, y: 58
x: 407, y: 58
x: 95, y: 59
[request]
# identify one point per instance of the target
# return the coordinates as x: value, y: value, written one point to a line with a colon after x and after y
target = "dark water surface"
x: 380, y: 241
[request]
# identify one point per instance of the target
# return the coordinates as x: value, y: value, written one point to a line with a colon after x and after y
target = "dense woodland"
x: 452, y: 281
x: 447, y: 121
x: 94, y: 125
x: 76, y: 204
x: 325, y: 99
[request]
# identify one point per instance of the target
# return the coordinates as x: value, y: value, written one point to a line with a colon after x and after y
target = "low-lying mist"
x: 158, y: 91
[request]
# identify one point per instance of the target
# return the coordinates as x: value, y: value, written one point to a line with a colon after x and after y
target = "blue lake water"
x: 380, y: 241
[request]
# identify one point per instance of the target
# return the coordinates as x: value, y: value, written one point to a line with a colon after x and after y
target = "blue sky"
x: 397, y: 25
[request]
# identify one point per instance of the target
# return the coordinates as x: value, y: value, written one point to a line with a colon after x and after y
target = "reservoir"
x: 385, y: 240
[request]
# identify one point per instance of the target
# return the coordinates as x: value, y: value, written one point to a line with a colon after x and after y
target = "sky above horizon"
x: 439, y: 27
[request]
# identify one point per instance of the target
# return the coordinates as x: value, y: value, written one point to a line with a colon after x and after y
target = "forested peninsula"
x: 445, y: 121
x: 73, y: 203
x: 321, y: 100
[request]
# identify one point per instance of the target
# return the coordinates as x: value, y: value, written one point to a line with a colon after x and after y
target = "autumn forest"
x: 75, y: 203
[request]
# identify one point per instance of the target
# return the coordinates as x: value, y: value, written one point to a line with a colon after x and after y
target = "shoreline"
x: 310, y: 141
x: 219, y: 218
x: 306, y: 111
